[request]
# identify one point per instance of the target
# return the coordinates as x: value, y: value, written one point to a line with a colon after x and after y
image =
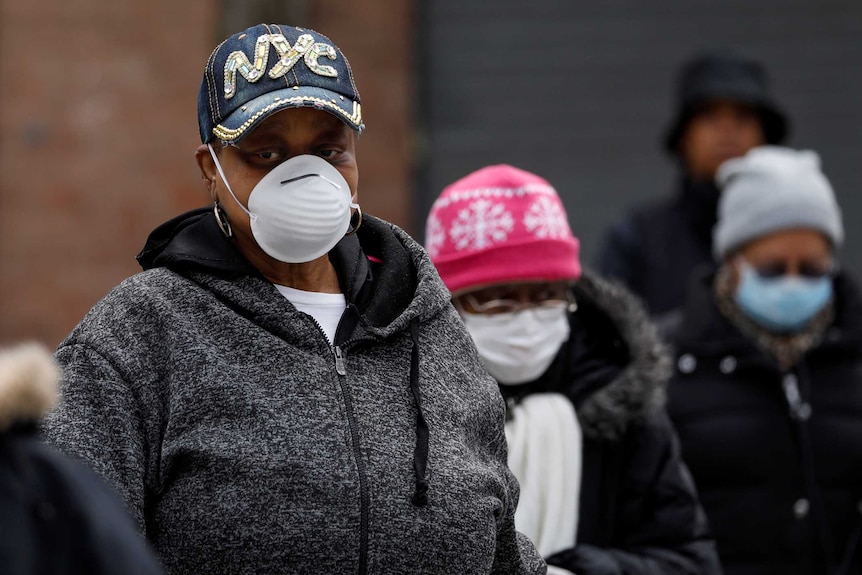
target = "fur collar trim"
x: 640, y: 389
x: 28, y: 384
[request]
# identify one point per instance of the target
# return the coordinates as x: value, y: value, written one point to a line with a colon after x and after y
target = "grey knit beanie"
x: 770, y: 189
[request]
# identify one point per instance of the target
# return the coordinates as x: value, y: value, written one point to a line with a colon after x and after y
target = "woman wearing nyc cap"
x: 767, y: 398
x: 603, y: 489
x: 284, y: 389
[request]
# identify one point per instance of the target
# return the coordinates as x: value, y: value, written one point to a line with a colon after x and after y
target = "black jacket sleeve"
x: 659, y: 527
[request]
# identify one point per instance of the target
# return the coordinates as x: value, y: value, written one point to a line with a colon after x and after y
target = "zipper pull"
x: 799, y: 409
x: 339, y: 360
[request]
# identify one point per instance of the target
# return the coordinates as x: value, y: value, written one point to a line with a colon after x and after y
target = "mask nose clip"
x: 302, y: 177
x: 297, y: 178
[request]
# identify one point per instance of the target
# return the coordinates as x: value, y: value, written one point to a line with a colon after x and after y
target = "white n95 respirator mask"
x: 299, y: 210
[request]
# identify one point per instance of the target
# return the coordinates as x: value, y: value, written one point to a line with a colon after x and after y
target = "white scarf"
x: 545, y: 446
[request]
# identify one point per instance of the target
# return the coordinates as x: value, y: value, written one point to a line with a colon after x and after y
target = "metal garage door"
x: 580, y: 92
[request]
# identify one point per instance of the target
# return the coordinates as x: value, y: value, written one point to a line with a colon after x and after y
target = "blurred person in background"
x: 767, y: 398
x: 603, y: 489
x: 56, y: 515
x: 724, y: 108
x: 284, y: 388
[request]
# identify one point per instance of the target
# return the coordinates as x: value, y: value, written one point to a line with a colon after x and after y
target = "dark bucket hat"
x: 723, y: 75
x: 270, y: 67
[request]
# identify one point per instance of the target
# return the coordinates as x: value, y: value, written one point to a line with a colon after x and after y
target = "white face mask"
x: 299, y: 210
x: 518, y: 347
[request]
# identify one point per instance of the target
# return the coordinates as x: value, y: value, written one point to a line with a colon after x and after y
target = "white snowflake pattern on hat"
x: 545, y: 218
x: 435, y: 236
x: 480, y: 225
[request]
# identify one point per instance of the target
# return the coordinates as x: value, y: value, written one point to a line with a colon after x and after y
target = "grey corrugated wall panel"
x: 580, y: 92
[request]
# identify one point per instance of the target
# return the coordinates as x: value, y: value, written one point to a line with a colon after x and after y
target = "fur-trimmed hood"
x: 640, y: 387
x: 28, y: 384
x: 614, y: 367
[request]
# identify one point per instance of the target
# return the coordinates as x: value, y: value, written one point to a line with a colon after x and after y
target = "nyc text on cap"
x: 270, y: 67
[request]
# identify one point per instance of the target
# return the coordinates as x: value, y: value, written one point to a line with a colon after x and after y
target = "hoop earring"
x: 221, y: 220
x: 357, y: 225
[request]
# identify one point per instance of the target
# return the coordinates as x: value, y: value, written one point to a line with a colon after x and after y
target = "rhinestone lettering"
x: 317, y: 51
x: 237, y: 61
x: 305, y: 48
x: 290, y: 56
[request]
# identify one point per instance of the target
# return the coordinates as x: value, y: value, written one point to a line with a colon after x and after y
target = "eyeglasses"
x: 518, y: 298
x: 809, y: 269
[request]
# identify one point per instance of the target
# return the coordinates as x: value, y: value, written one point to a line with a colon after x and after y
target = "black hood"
x: 193, y: 242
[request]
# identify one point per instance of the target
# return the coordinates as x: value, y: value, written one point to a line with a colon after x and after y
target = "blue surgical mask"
x: 781, y: 304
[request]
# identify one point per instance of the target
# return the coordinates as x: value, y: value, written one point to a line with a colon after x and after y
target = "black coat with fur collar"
x: 57, y: 517
x: 639, y: 513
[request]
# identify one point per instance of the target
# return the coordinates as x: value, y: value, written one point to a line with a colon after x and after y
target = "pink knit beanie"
x: 500, y: 225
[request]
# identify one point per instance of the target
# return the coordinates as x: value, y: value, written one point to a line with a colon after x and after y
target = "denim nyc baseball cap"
x: 270, y: 67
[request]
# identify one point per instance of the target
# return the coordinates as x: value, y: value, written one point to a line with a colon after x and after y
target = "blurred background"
x: 99, y: 120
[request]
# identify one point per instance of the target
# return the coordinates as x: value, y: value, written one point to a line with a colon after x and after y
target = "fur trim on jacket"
x: 640, y: 388
x: 28, y: 384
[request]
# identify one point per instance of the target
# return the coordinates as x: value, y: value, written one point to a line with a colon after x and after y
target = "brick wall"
x: 97, y: 131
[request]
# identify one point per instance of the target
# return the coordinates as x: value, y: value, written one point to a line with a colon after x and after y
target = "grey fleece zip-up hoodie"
x: 244, y: 443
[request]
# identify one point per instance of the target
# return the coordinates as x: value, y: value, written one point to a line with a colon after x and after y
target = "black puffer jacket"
x: 654, y: 247
x: 639, y: 513
x: 779, y: 476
